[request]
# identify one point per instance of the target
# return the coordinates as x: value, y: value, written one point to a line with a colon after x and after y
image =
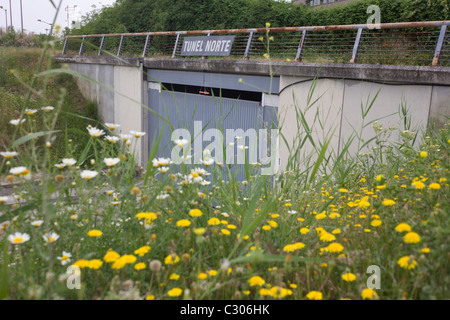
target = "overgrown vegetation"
x: 170, y: 15
x: 17, y: 69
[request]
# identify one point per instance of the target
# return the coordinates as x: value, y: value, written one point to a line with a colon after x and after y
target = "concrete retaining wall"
x: 342, y: 88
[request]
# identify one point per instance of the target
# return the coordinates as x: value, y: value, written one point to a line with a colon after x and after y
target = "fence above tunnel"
x: 405, y: 43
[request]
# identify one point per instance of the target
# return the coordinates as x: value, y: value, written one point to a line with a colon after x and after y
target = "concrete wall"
x: 334, y: 110
x: 119, y: 91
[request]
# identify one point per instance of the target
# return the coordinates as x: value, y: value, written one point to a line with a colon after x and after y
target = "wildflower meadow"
x: 97, y: 224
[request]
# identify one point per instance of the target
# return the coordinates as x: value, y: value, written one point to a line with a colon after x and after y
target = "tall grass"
x: 158, y: 234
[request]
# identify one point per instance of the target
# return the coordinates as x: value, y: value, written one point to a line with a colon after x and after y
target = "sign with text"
x: 207, y: 46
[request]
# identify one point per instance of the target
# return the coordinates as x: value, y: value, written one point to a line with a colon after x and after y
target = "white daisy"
x: 112, y: 139
x: 47, y: 109
x: 20, y: 171
x: 112, y: 126
x: 30, y: 112
x: 65, y: 258
x: 137, y: 134
x: 37, y: 223
x: 111, y: 162
x: 88, y: 175
x: 18, y: 238
x: 17, y: 122
x: 68, y: 162
x: 9, y: 154
x: 50, y: 237
x: 94, y: 132
x: 181, y: 142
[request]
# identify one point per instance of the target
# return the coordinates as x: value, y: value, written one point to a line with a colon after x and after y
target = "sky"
x: 43, y: 10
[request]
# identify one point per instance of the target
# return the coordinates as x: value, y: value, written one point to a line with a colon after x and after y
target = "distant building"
x: 323, y: 3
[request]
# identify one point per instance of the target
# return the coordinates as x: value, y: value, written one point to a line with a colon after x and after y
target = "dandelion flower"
x: 407, y: 262
x: 334, y: 247
x: 434, y: 186
x: 172, y: 259
x: 140, y: 266
x: 403, y: 227
x: 183, y: 223
x: 418, y: 184
x: 142, y: 251
x: 369, y: 294
x: 423, y: 154
x: 195, y: 213
x: 175, y: 292
x: 111, y: 256
x: 95, y: 264
x: 95, y: 233
x: 388, y: 202
x: 376, y: 223
x: 314, y: 295
x: 256, y: 281
x: 411, y: 237
x: 348, y: 277
x: 202, y: 276
x: 214, y: 222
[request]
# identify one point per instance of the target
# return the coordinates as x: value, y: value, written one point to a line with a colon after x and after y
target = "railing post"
x: 65, y: 45
x: 356, y: 46
x: 101, y: 46
x: 209, y: 34
x: 298, y: 57
x: 249, y: 45
x: 147, y: 42
x: 439, y: 45
x: 174, y: 54
x: 82, y: 46
x: 119, y: 52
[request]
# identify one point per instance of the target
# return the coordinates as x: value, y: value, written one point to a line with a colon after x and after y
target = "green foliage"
x: 170, y: 15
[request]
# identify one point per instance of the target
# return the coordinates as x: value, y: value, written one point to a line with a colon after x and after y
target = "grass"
x: 315, y: 231
x: 17, y: 67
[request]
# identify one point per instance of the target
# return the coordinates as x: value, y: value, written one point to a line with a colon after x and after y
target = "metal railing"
x: 405, y: 43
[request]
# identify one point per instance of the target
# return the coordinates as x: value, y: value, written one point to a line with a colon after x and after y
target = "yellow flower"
x: 327, y: 237
x: 111, y: 256
x: 304, y: 230
x: 336, y: 231
x: 202, y: 276
x: 425, y: 250
x: 212, y: 273
x: 349, y: 277
x: 403, y: 227
x: 256, y: 281
x: 434, y: 186
x: 171, y: 259
x: 407, y: 262
x: 388, y: 202
x: 314, y: 295
x: 146, y: 215
x: 266, y: 227
x: 82, y: 263
x: 95, y: 233
x: 264, y: 292
x: 150, y: 297
x: 342, y: 190
x: 334, y: 247
x: 225, y: 232
x: 376, y: 223
x: 418, y: 184
x: 195, y: 213
x: 199, y: 231
x: 174, y: 276
x: 423, y: 154
x: 175, y: 292
x: 183, y: 223
x: 369, y: 294
x: 95, y: 264
x: 278, y: 292
x: 142, y: 251
x: 321, y: 216
x: 140, y: 266
x: 213, y: 222
x: 411, y: 237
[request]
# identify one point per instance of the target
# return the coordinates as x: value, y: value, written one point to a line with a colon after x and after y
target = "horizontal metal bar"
x: 396, y: 25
